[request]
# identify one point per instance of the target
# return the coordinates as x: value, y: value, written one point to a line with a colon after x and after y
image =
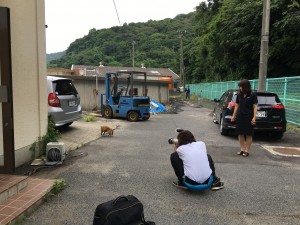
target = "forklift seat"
x: 117, y: 97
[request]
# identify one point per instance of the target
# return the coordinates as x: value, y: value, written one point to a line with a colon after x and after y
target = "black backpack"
x: 124, y: 210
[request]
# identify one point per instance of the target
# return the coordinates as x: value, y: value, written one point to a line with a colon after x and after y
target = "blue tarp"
x: 156, y: 107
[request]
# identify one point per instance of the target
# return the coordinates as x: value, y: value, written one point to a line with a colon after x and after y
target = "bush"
x: 89, y: 118
x: 52, y: 135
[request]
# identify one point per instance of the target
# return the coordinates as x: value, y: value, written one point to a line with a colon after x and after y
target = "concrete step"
x: 11, y: 185
x: 23, y: 202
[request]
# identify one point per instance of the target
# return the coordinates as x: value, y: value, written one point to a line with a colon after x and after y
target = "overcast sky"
x: 69, y: 20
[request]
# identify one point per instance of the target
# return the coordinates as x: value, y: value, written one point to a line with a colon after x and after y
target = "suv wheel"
x: 277, y: 135
x: 222, y: 130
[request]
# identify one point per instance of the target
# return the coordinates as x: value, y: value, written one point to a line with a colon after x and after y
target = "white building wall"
x: 28, y: 48
x: 1, y: 130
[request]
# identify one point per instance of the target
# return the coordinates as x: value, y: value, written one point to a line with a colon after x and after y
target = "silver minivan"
x: 63, y: 101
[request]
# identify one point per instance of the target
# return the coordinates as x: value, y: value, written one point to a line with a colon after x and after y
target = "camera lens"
x: 173, y: 141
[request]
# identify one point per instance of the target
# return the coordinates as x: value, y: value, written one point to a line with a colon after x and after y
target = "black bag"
x: 124, y: 210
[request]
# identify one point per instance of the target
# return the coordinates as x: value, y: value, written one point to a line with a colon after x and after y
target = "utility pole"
x: 133, y: 43
x: 182, y: 78
x: 96, y: 91
x: 264, y: 46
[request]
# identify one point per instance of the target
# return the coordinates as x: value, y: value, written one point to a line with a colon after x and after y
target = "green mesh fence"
x: 287, y: 89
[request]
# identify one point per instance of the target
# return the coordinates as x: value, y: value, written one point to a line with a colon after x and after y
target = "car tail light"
x: 53, y: 100
x: 231, y: 105
x: 280, y: 106
x: 278, y: 127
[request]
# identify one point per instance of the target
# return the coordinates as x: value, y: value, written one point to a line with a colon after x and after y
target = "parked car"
x: 270, y: 117
x: 63, y: 101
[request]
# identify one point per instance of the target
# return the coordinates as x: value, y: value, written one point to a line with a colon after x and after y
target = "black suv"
x: 270, y: 117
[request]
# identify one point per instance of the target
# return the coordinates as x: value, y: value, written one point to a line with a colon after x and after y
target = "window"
x: 266, y: 100
x: 64, y: 87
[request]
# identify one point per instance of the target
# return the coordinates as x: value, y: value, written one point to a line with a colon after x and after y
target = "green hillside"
x: 54, y: 56
x: 221, y: 42
x: 156, y: 44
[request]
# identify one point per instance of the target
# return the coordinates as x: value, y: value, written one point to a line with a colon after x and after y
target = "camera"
x: 174, y: 140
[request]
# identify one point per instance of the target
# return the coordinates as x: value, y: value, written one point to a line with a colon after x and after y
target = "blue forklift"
x: 122, y: 99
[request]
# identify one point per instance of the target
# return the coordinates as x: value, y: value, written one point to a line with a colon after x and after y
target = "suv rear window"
x: 64, y: 87
x: 269, y: 99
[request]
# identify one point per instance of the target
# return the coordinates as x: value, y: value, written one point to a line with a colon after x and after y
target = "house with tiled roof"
x: 152, y: 73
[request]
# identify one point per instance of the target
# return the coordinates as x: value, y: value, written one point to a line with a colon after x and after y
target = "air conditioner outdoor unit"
x: 55, y: 153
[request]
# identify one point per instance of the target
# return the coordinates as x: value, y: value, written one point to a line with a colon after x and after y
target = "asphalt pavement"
x: 260, y: 189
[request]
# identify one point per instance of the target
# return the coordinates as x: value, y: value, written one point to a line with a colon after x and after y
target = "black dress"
x: 245, y: 113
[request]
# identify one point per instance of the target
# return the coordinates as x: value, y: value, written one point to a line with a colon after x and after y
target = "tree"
x: 222, y: 42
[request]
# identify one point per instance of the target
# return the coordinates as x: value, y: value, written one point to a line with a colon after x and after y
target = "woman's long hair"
x: 246, y: 86
x: 185, y: 137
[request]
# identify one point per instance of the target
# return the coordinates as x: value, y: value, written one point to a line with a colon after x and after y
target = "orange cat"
x: 107, y: 129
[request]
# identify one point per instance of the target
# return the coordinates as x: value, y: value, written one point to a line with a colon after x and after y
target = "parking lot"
x: 260, y: 189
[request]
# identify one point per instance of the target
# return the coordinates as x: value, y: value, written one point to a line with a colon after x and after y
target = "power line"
x: 117, y: 12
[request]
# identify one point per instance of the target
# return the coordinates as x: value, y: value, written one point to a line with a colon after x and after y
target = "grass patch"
x: 194, y: 98
x: 293, y: 128
x: 89, y: 118
x: 20, y: 220
x: 57, y: 187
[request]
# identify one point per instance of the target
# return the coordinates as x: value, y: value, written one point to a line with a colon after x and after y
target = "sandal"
x: 245, y: 154
x: 240, y: 153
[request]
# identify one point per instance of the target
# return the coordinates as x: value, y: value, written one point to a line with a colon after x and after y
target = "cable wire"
x: 117, y: 12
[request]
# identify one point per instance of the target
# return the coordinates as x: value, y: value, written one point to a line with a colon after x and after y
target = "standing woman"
x: 245, y: 116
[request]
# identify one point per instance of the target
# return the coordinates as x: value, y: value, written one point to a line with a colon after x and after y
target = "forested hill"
x: 221, y: 42
x: 156, y: 44
x: 56, y: 55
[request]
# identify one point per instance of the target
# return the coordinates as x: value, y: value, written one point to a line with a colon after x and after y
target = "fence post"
x: 284, y: 90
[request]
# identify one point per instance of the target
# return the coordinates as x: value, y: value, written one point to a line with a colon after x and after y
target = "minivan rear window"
x: 64, y: 87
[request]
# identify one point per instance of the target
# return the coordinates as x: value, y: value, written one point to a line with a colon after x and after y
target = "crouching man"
x: 190, y: 160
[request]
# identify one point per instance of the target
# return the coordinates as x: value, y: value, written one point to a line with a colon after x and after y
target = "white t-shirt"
x: 195, y: 161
